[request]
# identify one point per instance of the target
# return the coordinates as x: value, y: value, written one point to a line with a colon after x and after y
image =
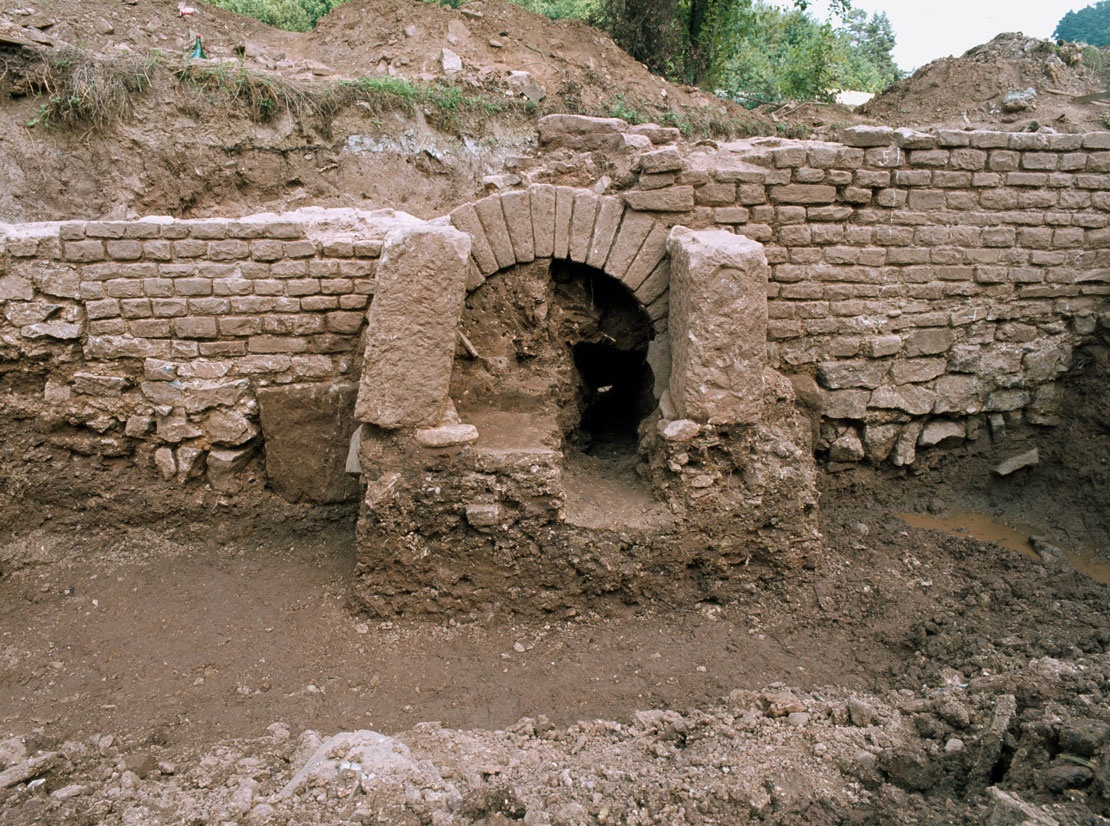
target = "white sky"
x: 931, y: 29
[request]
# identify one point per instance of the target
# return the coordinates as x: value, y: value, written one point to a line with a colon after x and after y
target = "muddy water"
x: 1015, y: 537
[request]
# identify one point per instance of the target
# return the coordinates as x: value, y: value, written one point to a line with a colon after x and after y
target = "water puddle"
x: 1015, y: 537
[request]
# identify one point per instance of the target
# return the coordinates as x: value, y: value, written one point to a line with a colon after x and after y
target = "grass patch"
x: 446, y: 104
x: 264, y: 96
x: 80, y: 89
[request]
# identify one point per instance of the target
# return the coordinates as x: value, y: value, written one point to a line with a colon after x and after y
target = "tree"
x: 866, y: 60
x: 686, y: 40
x: 1088, y: 25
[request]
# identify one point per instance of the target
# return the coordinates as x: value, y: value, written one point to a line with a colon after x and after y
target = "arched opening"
x: 607, y: 333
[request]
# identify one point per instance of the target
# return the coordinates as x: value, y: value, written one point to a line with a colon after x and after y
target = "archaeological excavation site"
x: 502, y: 455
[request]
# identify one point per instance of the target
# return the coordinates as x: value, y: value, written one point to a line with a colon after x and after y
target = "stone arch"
x: 562, y: 222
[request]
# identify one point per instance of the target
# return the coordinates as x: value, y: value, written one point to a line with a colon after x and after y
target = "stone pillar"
x: 410, y: 339
x: 718, y: 326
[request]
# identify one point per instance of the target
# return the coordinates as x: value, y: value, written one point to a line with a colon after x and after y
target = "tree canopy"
x: 1087, y: 25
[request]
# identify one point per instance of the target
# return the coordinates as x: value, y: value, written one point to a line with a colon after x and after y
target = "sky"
x: 930, y: 29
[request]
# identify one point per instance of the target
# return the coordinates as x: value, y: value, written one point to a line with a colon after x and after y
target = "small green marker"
x: 198, y: 51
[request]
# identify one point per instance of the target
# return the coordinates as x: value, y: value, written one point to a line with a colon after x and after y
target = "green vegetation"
x: 293, y: 15
x: 743, y: 49
x: 1088, y: 25
x: 264, y: 95
x: 446, y: 104
x: 76, y: 88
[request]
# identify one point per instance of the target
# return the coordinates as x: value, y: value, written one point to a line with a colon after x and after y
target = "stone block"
x: 942, y: 433
x: 564, y: 213
x: 496, y: 230
x: 543, y: 219
x: 517, y: 208
x: 583, y: 217
x: 864, y: 136
x: 634, y: 229
x: 605, y: 231
x: 411, y: 331
x: 670, y: 199
x: 804, y: 194
x: 661, y: 160
x: 306, y: 430
x: 223, y: 467
x: 718, y: 326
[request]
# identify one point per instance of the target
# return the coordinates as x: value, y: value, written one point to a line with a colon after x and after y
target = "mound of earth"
x: 972, y: 91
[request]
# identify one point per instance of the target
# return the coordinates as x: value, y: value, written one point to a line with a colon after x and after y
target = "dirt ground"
x: 164, y: 662
x: 179, y: 657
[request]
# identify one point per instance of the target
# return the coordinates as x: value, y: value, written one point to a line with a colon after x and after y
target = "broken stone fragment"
x: 527, y: 85
x: 228, y: 428
x: 61, y: 330
x: 450, y: 435
x: 483, y: 515
x: 847, y: 447
x: 1016, y: 463
x: 943, y: 433
x: 451, y: 62
x: 1019, y: 100
x: 166, y: 464
x: 680, y: 430
x: 224, y: 465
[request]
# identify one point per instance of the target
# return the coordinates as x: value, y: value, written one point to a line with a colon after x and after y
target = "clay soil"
x: 174, y: 656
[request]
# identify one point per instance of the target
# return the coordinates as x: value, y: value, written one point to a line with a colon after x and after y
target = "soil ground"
x: 163, y: 651
x: 127, y: 641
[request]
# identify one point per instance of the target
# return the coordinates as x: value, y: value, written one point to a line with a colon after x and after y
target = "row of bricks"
x: 265, y: 250
x: 118, y: 243
x: 900, y: 316
x: 861, y: 238
x: 926, y: 291
x: 246, y: 305
x: 997, y: 169
x: 872, y: 136
x: 356, y: 293
x: 808, y: 162
x: 116, y: 346
x: 919, y: 271
x: 205, y: 327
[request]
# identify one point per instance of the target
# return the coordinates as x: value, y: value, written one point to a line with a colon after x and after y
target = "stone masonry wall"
x: 921, y: 287
x: 161, y: 331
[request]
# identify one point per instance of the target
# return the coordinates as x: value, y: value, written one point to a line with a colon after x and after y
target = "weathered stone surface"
x: 633, y: 230
x: 680, y: 430
x: 917, y: 401
x: 517, y: 207
x: 943, y: 433
x: 847, y: 447
x: 669, y: 199
x: 661, y: 160
x: 605, y: 230
x: 878, y: 441
x: 493, y: 223
x: 905, y: 448
x: 839, y: 375
x: 867, y: 136
x: 411, y: 334
x: 306, y: 430
x: 448, y: 435
x: 543, y: 219
x: 466, y: 219
x: 165, y: 462
x: 228, y: 428
x: 718, y: 325
x: 16, y: 288
x: 582, y: 224
x: 223, y: 467
x: 1016, y: 463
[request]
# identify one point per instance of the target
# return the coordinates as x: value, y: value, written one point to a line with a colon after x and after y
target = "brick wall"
x: 922, y: 286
